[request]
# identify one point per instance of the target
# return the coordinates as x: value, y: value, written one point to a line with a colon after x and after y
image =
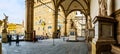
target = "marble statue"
x: 102, y: 7
x: 4, y: 31
x: 5, y: 23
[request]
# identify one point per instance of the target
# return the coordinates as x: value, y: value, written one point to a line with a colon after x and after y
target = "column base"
x: 4, y: 37
x: 55, y: 35
x: 65, y: 34
x: 28, y: 36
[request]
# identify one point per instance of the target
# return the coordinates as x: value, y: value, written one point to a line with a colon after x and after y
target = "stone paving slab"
x: 46, y: 47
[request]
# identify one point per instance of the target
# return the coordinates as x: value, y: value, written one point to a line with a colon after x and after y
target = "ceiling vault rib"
x: 75, y: 10
x: 67, y: 9
x: 54, y: 3
x: 69, y: 5
x: 82, y: 6
x: 63, y: 10
x: 85, y: 2
x: 88, y: 7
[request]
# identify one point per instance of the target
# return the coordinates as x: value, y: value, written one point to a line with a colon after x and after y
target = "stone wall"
x: 117, y: 4
x: 94, y: 7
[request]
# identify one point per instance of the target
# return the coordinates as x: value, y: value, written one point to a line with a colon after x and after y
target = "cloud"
x: 15, y: 9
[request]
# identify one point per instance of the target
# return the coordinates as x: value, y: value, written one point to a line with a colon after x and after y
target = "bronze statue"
x: 102, y: 7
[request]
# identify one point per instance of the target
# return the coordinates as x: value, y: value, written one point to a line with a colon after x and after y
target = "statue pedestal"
x: 104, y: 34
x: 4, y: 37
x: 90, y: 34
x: 72, y: 36
x: 0, y: 47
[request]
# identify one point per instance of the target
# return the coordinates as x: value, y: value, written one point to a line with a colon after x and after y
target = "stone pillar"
x: 55, y: 22
x: 89, y: 22
x: 65, y: 27
x: 110, y: 7
x: 29, y: 20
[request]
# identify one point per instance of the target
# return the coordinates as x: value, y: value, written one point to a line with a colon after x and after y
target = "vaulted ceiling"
x: 73, y: 5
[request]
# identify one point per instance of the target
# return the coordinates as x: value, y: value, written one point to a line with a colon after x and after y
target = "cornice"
x: 114, y: 14
x: 42, y: 4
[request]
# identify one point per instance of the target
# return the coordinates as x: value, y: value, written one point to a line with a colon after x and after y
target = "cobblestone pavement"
x: 46, y: 47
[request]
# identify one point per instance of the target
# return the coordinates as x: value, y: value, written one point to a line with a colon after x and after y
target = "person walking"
x: 10, y: 39
x: 17, y: 40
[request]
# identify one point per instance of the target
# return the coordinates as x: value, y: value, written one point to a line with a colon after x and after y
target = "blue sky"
x: 14, y: 9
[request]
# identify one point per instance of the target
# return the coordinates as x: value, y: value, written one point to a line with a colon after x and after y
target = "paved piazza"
x: 46, y: 47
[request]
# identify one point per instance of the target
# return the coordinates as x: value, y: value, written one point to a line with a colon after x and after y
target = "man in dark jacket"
x: 17, y: 40
x: 9, y: 38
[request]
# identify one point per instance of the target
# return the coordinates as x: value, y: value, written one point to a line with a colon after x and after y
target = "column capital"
x: 65, y: 21
x: 29, y: 2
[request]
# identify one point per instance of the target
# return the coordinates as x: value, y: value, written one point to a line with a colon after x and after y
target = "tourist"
x: 17, y: 40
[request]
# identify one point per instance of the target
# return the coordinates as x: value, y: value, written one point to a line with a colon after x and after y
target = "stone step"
x: 115, y: 49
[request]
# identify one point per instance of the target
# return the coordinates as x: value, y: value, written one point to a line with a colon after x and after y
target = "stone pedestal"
x: 90, y: 34
x: 118, y: 39
x: 104, y: 34
x: 72, y: 36
x: 0, y: 47
x: 4, y: 37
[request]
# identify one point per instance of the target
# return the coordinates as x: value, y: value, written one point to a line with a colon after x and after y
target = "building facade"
x: 44, y: 18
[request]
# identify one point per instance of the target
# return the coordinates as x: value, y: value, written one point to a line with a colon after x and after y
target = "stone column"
x: 65, y: 27
x: 55, y: 22
x: 89, y: 22
x: 110, y: 7
x: 29, y: 20
x: 88, y: 31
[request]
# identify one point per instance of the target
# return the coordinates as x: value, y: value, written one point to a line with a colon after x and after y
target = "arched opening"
x: 61, y: 22
x: 79, y: 22
x: 43, y: 25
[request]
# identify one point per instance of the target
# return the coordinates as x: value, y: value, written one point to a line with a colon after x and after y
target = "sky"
x: 14, y: 9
